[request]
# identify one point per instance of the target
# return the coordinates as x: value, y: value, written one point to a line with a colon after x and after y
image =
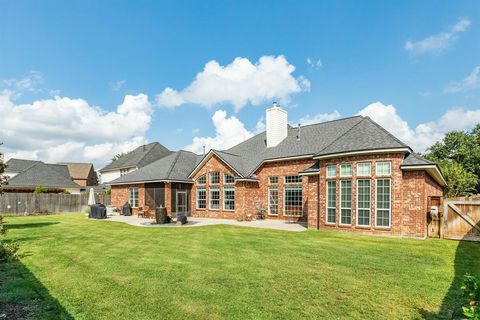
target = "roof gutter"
x: 362, y: 152
x: 431, y: 169
x: 115, y: 169
x: 283, y: 159
x: 146, y: 181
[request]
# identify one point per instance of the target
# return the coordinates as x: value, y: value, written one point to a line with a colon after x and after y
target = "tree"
x: 118, y: 156
x: 460, y: 182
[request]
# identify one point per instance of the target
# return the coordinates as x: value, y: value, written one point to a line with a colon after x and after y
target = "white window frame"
x: 210, y: 198
x: 346, y: 165
x: 370, y: 202
x: 225, y: 175
x: 369, y: 169
x: 198, y: 180
x: 335, y: 202
x: 134, y: 205
x: 206, y: 199
x: 389, y: 168
x: 351, y: 202
x: 389, y: 205
x: 210, y: 175
x: 298, y: 187
x: 270, y: 180
x: 296, y: 182
x: 334, y: 166
x: 270, y: 203
x: 225, y: 189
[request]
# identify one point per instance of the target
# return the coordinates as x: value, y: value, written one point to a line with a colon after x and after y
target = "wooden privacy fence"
x: 36, y: 203
x: 459, y: 219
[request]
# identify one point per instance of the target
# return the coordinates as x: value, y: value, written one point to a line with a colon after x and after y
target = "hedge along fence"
x: 41, y: 203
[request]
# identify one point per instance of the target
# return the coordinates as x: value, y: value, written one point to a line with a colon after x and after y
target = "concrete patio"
x: 200, y: 222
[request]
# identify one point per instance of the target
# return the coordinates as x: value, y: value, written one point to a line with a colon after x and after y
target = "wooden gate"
x: 461, y: 219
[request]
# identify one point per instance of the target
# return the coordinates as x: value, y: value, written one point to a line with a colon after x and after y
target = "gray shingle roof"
x: 174, y: 167
x: 139, y: 157
x: 19, y: 165
x: 45, y: 175
x: 414, y: 159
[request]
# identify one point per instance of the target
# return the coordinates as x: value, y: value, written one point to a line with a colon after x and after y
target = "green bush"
x: 66, y: 192
x: 40, y: 189
x: 471, y: 290
x: 8, y: 251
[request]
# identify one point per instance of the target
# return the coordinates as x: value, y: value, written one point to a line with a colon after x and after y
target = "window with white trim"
x: 345, y: 170
x: 346, y: 202
x: 383, y: 209
x: 214, y: 198
x: 229, y: 198
x: 273, y: 180
x: 331, y: 201
x: 133, y: 197
x: 273, y: 201
x: 383, y: 168
x: 201, y: 198
x: 202, y: 180
x: 363, y: 202
x: 228, y: 179
x: 364, y: 169
x: 214, y: 177
x: 331, y: 171
x: 292, y: 199
x: 124, y: 171
x: 293, y: 179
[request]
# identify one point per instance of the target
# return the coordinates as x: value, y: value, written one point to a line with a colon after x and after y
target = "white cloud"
x: 65, y: 129
x: 28, y: 83
x: 319, y: 117
x: 228, y: 132
x: 238, y: 83
x: 424, y: 134
x: 315, y: 64
x: 117, y: 85
x: 468, y: 83
x: 178, y: 130
x: 438, y: 42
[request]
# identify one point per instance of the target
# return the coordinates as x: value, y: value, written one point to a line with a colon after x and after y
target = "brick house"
x: 347, y: 174
x: 82, y: 174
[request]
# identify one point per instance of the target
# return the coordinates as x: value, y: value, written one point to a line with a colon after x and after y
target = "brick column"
x: 168, y: 197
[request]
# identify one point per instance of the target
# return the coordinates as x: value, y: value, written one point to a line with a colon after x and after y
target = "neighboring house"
x: 347, y: 174
x: 133, y: 160
x: 25, y: 175
x: 82, y: 174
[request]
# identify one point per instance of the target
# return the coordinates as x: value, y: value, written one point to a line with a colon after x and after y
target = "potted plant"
x: 261, y: 213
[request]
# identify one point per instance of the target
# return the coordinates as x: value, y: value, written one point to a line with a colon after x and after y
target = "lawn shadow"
x: 30, y: 225
x: 23, y: 296
x: 466, y: 261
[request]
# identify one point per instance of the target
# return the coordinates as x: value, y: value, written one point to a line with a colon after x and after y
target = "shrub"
x: 471, y: 290
x: 8, y: 251
x: 40, y: 189
x: 66, y: 192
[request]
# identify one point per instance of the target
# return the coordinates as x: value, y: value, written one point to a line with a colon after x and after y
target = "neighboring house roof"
x: 139, y: 157
x: 19, y: 165
x: 79, y: 170
x: 174, y: 167
x: 45, y: 175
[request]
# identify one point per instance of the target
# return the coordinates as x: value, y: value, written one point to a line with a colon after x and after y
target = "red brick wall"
x: 119, y: 195
x: 80, y: 182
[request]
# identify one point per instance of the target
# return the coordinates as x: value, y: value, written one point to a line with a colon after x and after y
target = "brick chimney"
x: 276, y: 125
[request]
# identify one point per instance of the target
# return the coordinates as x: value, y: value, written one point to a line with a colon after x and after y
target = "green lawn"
x: 76, y: 268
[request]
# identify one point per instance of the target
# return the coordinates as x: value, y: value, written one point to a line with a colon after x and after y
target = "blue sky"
x: 101, y: 51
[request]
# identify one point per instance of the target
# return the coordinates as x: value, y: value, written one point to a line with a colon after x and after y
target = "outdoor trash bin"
x: 126, y: 209
x: 181, y: 219
x: 161, y: 215
x: 98, y: 211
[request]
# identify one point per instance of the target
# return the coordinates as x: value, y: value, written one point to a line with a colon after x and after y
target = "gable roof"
x: 79, y: 170
x: 174, y: 167
x: 19, y: 165
x: 139, y: 157
x: 45, y: 175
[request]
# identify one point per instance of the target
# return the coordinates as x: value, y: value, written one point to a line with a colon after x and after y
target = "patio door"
x: 181, y: 202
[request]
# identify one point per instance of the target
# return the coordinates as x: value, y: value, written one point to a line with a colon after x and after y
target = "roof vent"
x: 298, y: 133
x: 277, y: 127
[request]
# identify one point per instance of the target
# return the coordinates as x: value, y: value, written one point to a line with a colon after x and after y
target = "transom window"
x: 273, y: 201
x: 214, y: 198
x: 345, y: 170
x: 229, y: 198
x: 331, y: 171
x: 383, y: 203
x: 201, y: 198
x: 214, y: 177
x: 346, y: 202
x: 202, y: 180
x: 292, y: 201
x: 133, y: 197
x: 363, y: 202
x: 384, y: 168
x: 331, y: 201
x: 364, y: 169
x: 228, y: 179
x: 273, y: 180
x: 293, y: 179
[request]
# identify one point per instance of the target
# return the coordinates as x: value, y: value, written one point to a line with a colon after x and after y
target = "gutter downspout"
x: 318, y: 201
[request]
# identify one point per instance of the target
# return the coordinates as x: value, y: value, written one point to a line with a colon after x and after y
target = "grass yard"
x: 79, y: 269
